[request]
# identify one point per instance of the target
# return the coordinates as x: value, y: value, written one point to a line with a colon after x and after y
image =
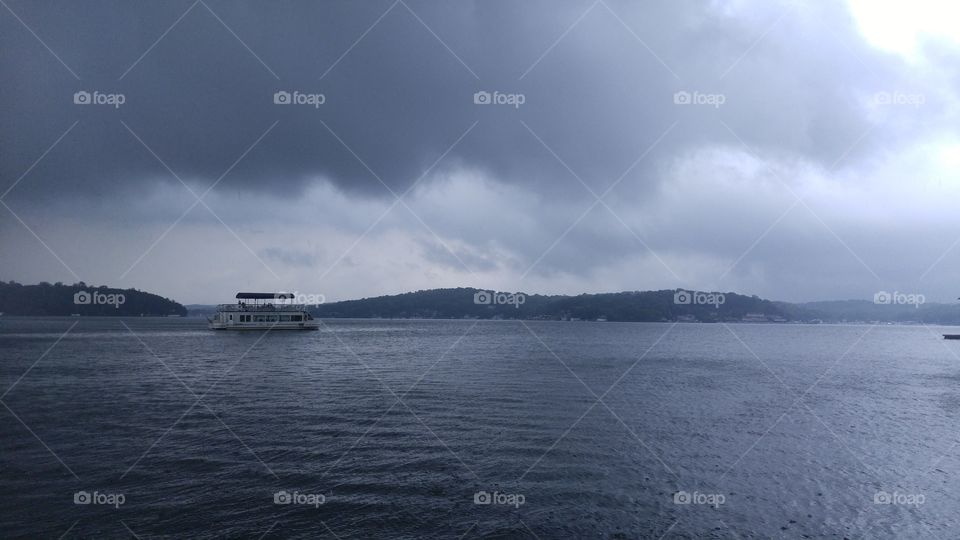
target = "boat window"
x: 296, y: 317
x: 285, y: 318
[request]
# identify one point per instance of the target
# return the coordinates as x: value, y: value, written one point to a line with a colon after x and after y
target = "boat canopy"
x: 264, y: 296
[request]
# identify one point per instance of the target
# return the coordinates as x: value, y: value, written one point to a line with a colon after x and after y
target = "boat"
x: 951, y: 336
x: 263, y: 311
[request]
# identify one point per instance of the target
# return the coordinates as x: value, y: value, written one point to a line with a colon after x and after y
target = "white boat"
x: 263, y: 311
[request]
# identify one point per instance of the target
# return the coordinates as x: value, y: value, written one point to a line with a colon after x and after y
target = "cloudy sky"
x: 793, y: 150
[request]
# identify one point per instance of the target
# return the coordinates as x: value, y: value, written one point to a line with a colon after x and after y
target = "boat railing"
x: 261, y: 307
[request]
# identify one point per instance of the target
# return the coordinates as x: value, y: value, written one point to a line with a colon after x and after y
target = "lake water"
x: 398, y: 429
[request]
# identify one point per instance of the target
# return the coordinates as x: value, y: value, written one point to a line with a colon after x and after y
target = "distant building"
x: 755, y: 317
x: 686, y: 318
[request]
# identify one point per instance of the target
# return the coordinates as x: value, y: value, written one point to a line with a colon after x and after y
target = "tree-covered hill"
x: 623, y: 306
x: 45, y: 299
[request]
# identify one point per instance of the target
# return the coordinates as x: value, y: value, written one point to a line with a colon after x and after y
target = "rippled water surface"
x: 600, y: 430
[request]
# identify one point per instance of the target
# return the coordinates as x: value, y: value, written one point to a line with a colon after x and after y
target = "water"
x: 395, y: 426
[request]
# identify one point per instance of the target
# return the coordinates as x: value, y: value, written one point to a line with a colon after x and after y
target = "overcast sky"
x: 788, y: 150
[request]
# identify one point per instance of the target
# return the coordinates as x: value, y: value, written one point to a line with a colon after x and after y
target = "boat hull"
x: 307, y: 325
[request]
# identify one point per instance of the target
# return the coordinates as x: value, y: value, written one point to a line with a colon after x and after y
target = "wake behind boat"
x: 263, y: 311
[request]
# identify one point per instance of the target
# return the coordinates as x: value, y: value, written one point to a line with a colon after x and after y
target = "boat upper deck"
x: 270, y: 308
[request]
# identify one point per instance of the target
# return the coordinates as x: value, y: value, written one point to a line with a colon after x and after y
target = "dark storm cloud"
x: 599, y: 97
